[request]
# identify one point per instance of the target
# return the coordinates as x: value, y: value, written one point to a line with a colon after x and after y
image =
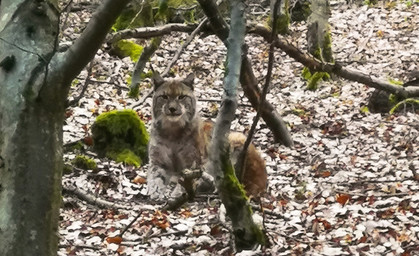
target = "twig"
x: 142, y: 100
x: 67, y: 9
x: 83, y: 90
x: 92, y: 199
x: 378, y: 195
x: 81, y: 246
x: 242, y: 158
x: 130, y: 224
x: 183, y: 46
x: 149, y: 32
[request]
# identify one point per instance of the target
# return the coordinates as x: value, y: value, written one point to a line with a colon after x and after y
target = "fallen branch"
x: 92, y: 199
x: 149, y: 32
x: 338, y: 69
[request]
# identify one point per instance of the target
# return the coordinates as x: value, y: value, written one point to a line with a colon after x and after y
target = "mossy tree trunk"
x: 34, y: 82
x: 247, y: 234
x: 318, y: 31
x: 283, y: 15
x: 248, y: 80
x: 319, y: 40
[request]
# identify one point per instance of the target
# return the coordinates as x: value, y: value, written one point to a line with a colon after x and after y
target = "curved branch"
x: 248, y: 80
x: 149, y: 32
x: 183, y: 46
x: 85, y: 47
x: 352, y: 75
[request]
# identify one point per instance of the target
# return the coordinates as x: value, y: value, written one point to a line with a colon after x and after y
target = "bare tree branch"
x: 247, y: 78
x: 249, y: 84
x: 352, y: 75
x: 246, y: 233
x: 149, y: 32
x: 183, y: 46
x: 86, y: 46
x: 147, y: 53
x: 242, y: 158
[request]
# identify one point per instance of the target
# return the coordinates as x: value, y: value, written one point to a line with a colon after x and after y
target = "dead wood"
x: 336, y: 68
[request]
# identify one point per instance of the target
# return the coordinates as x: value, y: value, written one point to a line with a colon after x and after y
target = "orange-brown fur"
x: 179, y: 141
x: 254, y: 177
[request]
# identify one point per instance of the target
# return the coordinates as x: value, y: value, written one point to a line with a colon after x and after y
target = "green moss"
x: 370, y: 2
x: 75, y: 82
x: 67, y: 169
x: 235, y: 199
x: 84, y: 162
x: 127, y: 157
x: 300, y: 11
x: 411, y: 101
x: 327, y: 48
x: 134, y: 91
x: 283, y: 20
x: 283, y: 23
x: 312, y: 83
x: 299, y: 112
x: 148, y: 74
x: 306, y: 73
x: 364, y: 110
x: 393, y: 99
x: 395, y: 82
x: 115, y: 132
x: 77, y: 146
x: 125, y: 48
x: 136, y: 15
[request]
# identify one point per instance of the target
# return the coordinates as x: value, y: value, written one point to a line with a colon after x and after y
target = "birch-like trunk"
x: 34, y: 82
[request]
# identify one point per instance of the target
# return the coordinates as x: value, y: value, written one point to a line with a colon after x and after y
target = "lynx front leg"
x: 165, y: 187
x: 198, y: 180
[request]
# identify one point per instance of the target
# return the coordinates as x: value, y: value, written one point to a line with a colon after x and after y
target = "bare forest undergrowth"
x: 348, y: 187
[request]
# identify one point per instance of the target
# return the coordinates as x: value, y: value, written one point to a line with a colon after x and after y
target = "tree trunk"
x: 247, y: 78
x: 246, y: 233
x: 30, y: 132
x: 34, y: 82
x: 318, y: 31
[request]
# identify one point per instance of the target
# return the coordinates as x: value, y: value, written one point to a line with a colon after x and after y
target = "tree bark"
x: 34, y: 82
x: 247, y: 78
x: 232, y: 194
x: 318, y: 31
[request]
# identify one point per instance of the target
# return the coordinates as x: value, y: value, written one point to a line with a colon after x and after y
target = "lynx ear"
x: 189, y: 80
x: 157, y: 80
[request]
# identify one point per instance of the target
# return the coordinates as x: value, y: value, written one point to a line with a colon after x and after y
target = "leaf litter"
x: 346, y: 188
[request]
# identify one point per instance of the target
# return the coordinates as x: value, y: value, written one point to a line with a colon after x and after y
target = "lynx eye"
x: 165, y: 97
x: 181, y: 97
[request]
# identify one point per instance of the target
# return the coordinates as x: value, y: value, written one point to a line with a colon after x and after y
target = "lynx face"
x: 174, y: 104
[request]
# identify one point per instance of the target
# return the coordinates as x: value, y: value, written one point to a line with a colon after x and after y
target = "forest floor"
x: 346, y: 188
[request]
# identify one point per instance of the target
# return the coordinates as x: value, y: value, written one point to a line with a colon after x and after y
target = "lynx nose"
x: 172, y: 110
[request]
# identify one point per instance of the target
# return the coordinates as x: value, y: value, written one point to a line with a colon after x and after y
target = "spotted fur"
x: 179, y: 141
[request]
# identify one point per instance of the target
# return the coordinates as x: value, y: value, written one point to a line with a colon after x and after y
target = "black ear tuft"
x: 157, y: 80
x: 189, y: 80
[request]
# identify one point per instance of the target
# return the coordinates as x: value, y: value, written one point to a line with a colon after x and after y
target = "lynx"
x: 179, y: 142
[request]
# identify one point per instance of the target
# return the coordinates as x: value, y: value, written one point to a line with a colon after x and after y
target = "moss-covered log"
x: 121, y: 136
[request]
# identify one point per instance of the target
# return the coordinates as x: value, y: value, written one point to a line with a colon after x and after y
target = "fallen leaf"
x: 114, y: 240
x: 343, y: 198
